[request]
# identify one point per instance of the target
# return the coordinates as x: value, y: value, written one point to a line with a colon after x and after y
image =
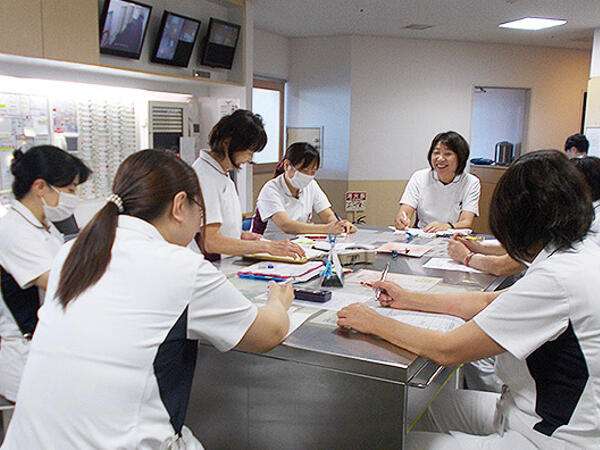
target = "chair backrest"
x: 258, y: 226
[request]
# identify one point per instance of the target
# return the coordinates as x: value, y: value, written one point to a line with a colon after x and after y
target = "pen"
x: 404, y: 216
x: 383, y: 277
x: 337, y: 217
x: 473, y: 238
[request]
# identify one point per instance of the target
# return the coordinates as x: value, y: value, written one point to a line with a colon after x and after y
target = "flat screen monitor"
x: 175, y: 40
x: 221, y: 41
x: 123, y: 28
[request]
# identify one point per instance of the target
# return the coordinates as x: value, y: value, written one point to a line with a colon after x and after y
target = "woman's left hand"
x: 457, y: 250
x: 436, y: 226
x: 358, y: 317
x: 250, y: 236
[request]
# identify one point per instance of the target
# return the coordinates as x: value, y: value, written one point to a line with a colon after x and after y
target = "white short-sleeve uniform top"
x: 275, y: 196
x: 436, y: 201
x: 595, y: 227
x: 549, y: 323
x: 114, y: 369
x: 220, y: 196
x: 27, y: 248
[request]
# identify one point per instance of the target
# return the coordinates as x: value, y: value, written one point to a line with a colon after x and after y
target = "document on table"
x: 339, y: 299
x: 415, y: 283
x: 449, y: 264
x: 298, y: 315
x: 402, y: 249
x: 430, y: 321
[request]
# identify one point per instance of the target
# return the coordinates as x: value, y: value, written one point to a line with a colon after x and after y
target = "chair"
x: 6, y: 408
x: 258, y: 226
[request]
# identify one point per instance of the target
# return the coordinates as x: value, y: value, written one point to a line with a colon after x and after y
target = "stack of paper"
x: 449, y: 264
x: 282, y: 271
x: 404, y: 249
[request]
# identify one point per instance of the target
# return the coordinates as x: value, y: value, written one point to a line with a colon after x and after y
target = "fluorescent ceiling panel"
x: 533, y: 23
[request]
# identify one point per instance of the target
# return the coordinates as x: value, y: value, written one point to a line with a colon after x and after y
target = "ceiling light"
x: 533, y: 23
x: 418, y: 26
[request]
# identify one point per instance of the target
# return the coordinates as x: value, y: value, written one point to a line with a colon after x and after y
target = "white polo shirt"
x: 549, y: 323
x: 114, y: 369
x: 275, y: 196
x: 436, y: 201
x: 595, y: 227
x: 27, y: 248
x: 220, y: 196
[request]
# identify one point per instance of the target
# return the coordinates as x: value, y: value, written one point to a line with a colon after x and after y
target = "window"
x: 267, y: 100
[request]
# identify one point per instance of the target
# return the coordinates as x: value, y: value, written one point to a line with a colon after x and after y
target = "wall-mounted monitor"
x: 123, y: 27
x: 220, y: 43
x: 175, y: 40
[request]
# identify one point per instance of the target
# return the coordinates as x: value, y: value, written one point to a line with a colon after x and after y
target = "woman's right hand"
x: 337, y: 226
x: 473, y: 246
x: 402, y: 221
x: 392, y: 295
x: 281, y: 293
x: 285, y: 248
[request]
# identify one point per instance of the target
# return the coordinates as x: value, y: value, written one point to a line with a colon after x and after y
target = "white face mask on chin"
x: 65, y: 207
x: 300, y: 180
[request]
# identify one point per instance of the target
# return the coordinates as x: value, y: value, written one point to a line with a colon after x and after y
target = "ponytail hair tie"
x: 118, y: 201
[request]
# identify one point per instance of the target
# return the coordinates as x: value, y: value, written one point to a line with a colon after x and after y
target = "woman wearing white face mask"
x: 44, y: 186
x: 286, y: 203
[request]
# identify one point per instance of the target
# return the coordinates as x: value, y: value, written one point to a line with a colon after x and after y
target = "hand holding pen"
x: 346, y: 227
x: 402, y: 221
x: 383, y: 277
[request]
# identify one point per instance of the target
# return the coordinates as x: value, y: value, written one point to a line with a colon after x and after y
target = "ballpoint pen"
x: 383, y: 277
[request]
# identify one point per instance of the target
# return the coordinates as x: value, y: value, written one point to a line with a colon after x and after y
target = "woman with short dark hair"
x: 443, y: 197
x: 113, y: 357
x: 545, y: 328
x: 589, y: 166
x: 44, y: 186
x: 287, y: 202
x: 233, y: 142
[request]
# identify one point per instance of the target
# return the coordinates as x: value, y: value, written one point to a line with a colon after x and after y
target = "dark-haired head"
x: 238, y: 132
x: 51, y: 164
x: 576, y: 145
x: 454, y: 142
x: 589, y: 166
x: 152, y: 185
x: 541, y: 201
x: 301, y: 155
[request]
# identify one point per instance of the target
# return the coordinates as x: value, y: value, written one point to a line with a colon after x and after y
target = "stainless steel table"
x: 321, y: 388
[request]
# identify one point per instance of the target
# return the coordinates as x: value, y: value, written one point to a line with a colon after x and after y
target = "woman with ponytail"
x: 44, y: 186
x: 112, y: 360
x: 287, y: 202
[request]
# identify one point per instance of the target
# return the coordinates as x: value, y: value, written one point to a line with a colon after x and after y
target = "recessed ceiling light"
x: 533, y: 23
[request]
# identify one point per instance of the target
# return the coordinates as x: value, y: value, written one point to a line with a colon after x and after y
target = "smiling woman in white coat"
x: 112, y: 360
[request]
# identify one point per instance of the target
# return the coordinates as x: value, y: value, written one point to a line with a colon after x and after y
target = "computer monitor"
x: 220, y: 43
x: 175, y: 40
x: 123, y: 28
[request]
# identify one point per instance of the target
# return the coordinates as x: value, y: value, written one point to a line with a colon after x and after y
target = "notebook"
x: 413, y: 250
x: 278, y: 271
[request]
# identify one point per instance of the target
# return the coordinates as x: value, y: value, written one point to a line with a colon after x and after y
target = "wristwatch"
x: 451, y: 225
x: 468, y: 258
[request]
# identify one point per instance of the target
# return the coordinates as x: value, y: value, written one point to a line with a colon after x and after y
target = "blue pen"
x: 337, y: 217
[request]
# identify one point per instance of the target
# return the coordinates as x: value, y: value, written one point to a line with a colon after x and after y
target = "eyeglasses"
x: 197, y: 203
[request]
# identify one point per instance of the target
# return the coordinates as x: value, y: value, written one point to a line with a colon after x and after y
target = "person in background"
x: 589, y: 166
x: 113, y: 357
x: 445, y: 196
x: 545, y: 328
x: 576, y: 146
x: 487, y: 258
x: 44, y: 188
x: 233, y: 141
x: 287, y: 202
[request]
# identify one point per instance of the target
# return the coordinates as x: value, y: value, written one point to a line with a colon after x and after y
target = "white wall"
x: 318, y: 94
x: 498, y: 115
x: 271, y: 55
x: 406, y: 91
x: 595, y: 64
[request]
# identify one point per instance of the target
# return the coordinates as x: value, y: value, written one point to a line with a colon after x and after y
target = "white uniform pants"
x: 13, y: 356
x: 464, y: 420
x: 481, y: 375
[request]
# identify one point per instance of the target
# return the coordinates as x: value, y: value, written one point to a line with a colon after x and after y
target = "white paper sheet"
x: 298, y: 316
x: 415, y: 283
x: 339, y: 299
x: 449, y: 264
x: 430, y: 321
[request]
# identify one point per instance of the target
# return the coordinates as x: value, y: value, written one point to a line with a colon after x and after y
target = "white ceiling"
x: 463, y: 20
